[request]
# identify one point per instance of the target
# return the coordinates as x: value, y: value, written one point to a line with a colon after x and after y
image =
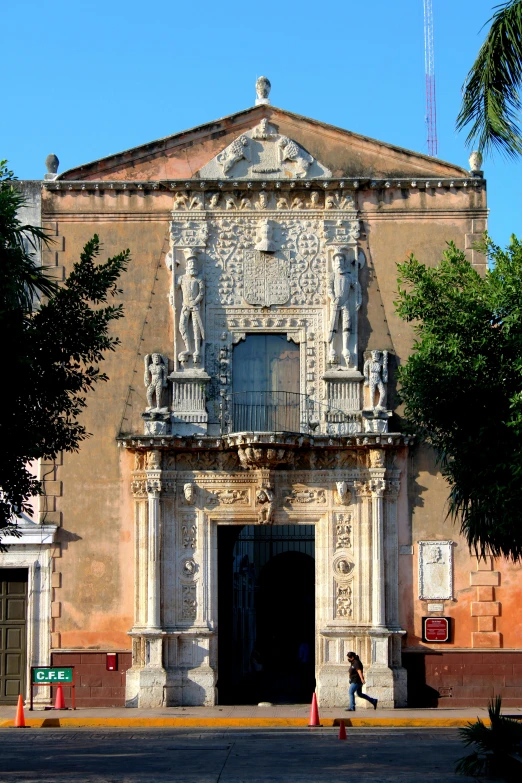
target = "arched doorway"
x: 266, y: 613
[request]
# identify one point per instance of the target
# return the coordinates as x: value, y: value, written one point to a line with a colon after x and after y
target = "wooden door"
x: 13, y: 621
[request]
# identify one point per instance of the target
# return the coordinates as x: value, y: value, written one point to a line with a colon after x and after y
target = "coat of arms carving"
x: 265, y: 279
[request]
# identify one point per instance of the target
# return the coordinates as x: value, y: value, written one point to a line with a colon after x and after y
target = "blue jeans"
x: 356, y: 688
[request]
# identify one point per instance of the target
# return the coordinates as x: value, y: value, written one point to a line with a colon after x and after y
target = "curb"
x: 162, y: 723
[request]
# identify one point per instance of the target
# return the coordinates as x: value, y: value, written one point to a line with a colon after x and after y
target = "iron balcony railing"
x: 278, y: 411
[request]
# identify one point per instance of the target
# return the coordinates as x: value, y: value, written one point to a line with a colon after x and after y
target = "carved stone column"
x: 146, y: 679
x: 377, y: 487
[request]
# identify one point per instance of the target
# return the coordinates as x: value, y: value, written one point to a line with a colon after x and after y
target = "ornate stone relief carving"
x: 343, y: 601
x: 229, y: 497
x: 343, y: 568
x: 189, y: 568
x: 300, y: 494
x: 189, y: 603
x: 436, y: 570
x: 255, y: 457
x: 343, y: 531
x: 139, y: 488
x: 262, y: 153
x: 189, y: 533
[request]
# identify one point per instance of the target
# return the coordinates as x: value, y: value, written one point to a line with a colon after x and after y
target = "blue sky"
x: 87, y: 79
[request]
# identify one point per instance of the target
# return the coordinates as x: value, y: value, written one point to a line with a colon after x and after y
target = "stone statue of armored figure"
x: 376, y: 378
x: 155, y: 380
x: 190, y: 323
x: 341, y: 282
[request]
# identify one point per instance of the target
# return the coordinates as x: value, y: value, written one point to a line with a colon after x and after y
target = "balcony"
x: 284, y: 412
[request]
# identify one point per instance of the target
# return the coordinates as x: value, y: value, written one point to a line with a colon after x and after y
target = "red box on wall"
x: 435, y: 629
x: 112, y: 662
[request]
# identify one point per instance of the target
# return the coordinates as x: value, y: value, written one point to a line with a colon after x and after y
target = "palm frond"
x: 491, y: 100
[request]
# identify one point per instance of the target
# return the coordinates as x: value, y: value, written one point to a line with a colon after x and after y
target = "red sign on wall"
x: 435, y: 629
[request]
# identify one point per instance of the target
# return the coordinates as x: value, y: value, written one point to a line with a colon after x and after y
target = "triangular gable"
x: 194, y: 153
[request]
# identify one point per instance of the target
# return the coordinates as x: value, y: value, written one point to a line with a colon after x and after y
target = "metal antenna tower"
x: 429, y: 67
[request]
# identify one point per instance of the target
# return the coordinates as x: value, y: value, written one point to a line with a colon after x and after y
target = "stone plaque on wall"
x: 436, y: 570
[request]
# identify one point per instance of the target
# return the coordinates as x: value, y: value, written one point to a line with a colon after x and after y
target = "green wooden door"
x: 13, y: 620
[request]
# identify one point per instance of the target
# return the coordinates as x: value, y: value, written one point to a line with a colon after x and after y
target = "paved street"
x: 229, y: 756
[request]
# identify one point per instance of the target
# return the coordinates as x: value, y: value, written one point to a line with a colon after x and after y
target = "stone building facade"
x: 252, y: 402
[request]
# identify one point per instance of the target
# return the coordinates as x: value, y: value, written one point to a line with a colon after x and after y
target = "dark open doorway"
x: 266, y: 613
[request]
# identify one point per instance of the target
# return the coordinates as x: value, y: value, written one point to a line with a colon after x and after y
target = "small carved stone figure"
x: 297, y: 202
x: 343, y: 492
x: 282, y: 202
x: 314, y: 200
x: 193, y: 290
x: 264, y: 236
x: 263, y: 88
x: 230, y: 202
x: 245, y: 203
x: 265, y: 498
x: 264, y: 131
x: 376, y: 376
x: 291, y: 151
x: 238, y: 150
x: 189, y: 493
x: 196, y: 202
x: 262, y: 202
x: 180, y: 201
x: 213, y: 200
x: 155, y: 379
x: 340, y: 283
x: 330, y: 201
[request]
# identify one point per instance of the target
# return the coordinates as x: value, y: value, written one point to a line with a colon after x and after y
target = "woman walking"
x: 357, y: 681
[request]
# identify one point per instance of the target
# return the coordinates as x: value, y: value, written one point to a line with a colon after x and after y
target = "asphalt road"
x: 229, y: 756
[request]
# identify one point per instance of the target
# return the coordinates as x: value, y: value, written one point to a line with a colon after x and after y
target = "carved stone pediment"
x: 263, y: 153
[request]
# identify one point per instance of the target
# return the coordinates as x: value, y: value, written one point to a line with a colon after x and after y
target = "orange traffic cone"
x: 342, y: 730
x: 59, y: 704
x: 20, y: 719
x: 314, y: 713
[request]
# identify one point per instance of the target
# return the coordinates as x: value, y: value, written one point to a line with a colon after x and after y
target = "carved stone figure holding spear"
x: 192, y: 290
x: 340, y: 283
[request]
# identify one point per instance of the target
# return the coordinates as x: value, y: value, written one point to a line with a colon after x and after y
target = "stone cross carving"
x: 192, y: 290
x: 155, y: 379
x: 376, y: 376
x: 340, y: 283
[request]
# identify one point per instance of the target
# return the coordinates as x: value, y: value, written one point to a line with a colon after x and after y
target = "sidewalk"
x: 285, y: 715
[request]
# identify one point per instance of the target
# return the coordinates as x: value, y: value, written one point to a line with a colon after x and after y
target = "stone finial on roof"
x: 51, y: 164
x: 475, y: 163
x: 263, y: 87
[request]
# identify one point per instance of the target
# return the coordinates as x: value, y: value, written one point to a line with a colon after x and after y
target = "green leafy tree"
x: 53, y: 348
x: 491, y: 99
x: 462, y: 387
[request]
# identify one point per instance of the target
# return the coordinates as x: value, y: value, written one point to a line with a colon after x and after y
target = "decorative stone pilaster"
x: 147, y: 679
x: 385, y: 680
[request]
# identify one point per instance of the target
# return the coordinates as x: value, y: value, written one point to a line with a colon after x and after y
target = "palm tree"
x: 491, y: 99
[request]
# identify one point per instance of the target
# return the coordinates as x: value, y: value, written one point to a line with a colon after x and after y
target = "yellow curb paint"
x: 172, y: 722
